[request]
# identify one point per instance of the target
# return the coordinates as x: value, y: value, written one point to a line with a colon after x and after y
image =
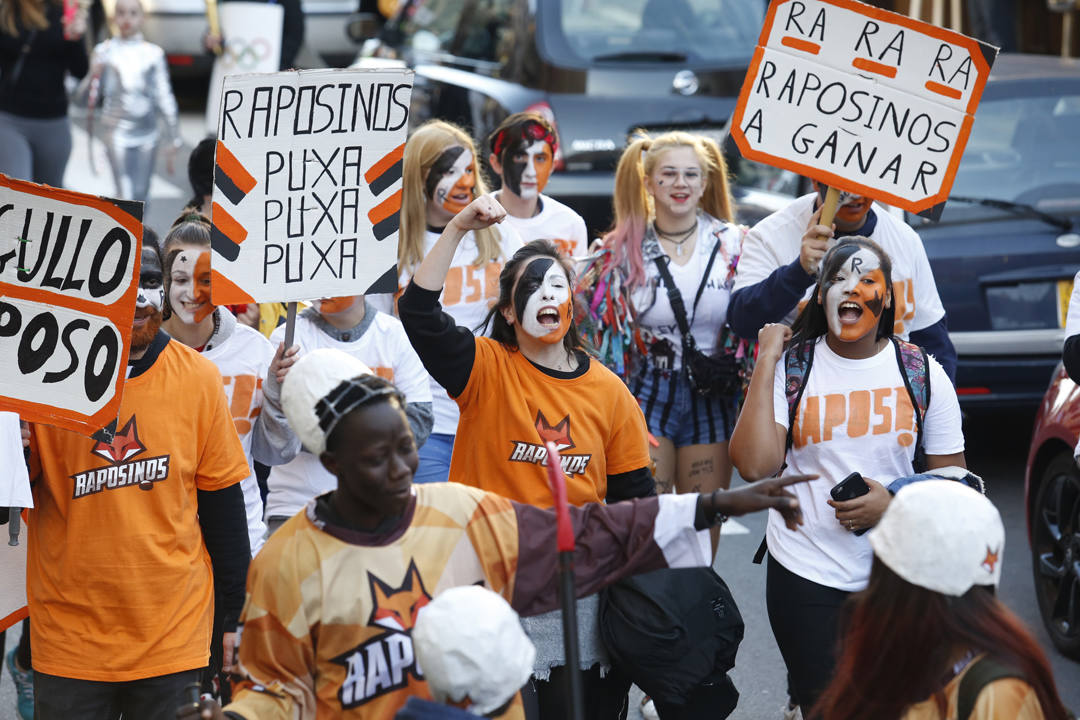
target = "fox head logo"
x: 559, y: 434
x: 124, y: 446
x: 397, y: 608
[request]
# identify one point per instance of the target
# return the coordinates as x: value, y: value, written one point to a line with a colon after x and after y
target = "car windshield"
x: 1021, y: 149
x: 671, y: 30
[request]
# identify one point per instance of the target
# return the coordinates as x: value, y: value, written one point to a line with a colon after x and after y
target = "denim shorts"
x: 674, y: 411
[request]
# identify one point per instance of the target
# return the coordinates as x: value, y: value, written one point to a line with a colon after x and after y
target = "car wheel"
x: 1055, y: 550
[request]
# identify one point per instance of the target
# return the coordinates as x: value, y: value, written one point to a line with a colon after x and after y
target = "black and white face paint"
x: 542, y: 300
x: 151, y: 282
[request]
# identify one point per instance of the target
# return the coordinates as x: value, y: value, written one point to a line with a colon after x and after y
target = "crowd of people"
x: 359, y: 525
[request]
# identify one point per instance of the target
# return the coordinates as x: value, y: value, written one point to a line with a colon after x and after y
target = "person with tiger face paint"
x: 524, y: 148
x: 851, y: 411
x: 782, y: 254
x: 439, y: 178
x: 532, y: 382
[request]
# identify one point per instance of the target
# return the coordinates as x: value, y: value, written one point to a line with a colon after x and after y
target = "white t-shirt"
x: 777, y: 240
x: 243, y: 359
x: 854, y: 416
x: 1072, y: 321
x: 14, y: 482
x: 385, y: 349
x: 658, y: 319
x: 467, y: 296
x: 555, y: 222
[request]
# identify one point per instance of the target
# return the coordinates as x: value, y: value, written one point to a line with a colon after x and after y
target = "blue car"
x: 1008, y: 244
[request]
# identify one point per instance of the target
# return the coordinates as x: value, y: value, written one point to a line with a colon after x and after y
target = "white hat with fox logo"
x: 469, y: 643
x: 941, y: 535
x: 309, y: 382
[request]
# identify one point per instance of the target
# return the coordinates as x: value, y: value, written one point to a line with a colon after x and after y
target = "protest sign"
x: 251, y: 43
x: 865, y: 100
x: 307, y: 184
x: 69, y: 275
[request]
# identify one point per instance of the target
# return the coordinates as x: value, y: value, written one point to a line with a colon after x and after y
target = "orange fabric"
x: 509, y: 409
x: 118, y: 578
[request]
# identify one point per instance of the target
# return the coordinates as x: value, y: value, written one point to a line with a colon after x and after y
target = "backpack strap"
x: 982, y: 672
x: 797, y: 363
x: 915, y: 371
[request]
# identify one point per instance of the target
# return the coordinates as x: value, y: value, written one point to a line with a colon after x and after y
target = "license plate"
x: 1064, y: 291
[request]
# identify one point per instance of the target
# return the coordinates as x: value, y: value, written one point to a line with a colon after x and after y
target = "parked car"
x: 1007, y: 246
x: 1052, y: 500
x: 178, y: 26
x: 598, y: 70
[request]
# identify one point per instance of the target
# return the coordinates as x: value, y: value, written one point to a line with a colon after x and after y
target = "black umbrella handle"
x: 567, y: 596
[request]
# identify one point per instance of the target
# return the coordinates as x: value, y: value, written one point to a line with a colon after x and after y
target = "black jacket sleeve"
x: 224, y: 527
x: 634, y: 484
x: 447, y: 351
x: 936, y: 341
x: 768, y: 301
x: 1071, y: 357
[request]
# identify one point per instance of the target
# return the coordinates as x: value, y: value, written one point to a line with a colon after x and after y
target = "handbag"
x: 717, y: 374
x: 675, y: 634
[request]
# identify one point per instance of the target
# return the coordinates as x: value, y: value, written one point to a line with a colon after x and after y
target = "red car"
x: 1052, y: 498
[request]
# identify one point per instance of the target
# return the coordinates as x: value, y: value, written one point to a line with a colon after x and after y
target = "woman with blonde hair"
x: 674, y: 232
x: 440, y: 178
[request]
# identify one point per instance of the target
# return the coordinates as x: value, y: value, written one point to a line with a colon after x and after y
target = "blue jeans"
x: 435, y: 459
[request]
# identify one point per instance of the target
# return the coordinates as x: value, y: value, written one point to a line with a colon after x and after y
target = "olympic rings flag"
x: 69, y: 276
x: 252, y: 43
x: 862, y: 99
x: 307, y: 184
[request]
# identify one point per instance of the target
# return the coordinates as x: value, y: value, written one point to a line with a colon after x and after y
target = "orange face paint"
x: 855, y: 296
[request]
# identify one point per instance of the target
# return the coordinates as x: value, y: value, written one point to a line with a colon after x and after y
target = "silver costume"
x: 126, y: 90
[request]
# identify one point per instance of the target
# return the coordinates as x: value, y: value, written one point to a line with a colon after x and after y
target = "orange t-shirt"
x: 510, y: 408
x: 118, y: 578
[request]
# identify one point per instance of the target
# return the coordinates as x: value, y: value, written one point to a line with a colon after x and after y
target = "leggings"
x: 132, y: 168
x: 34, y: 149
x: 805, y: 619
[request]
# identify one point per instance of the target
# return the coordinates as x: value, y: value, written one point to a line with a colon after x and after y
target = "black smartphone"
x: 849, y: 488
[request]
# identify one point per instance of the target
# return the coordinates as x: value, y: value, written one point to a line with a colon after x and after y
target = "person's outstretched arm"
x: 446, y: 350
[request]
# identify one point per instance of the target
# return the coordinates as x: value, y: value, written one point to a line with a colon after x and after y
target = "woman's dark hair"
x: 812, y: 322
x: 149, y: 237
x: 900, y: 639
x: 502, y: 330
x: 200, y: 170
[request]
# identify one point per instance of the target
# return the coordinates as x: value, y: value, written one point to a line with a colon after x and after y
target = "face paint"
x: 527, y: 173
x: 147, y: 320
x: 151, y: 292
x: 851, y: 209
x: 189, y: 286
x: 334, y: 305
x: 451, y: 179
x: 542, y: 300
x: 855, y: 296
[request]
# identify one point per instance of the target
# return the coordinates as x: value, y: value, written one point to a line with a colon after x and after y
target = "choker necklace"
x: 683, y: 237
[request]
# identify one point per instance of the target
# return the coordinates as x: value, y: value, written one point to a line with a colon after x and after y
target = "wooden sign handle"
x: 214, y: 23
x: 828, y: 208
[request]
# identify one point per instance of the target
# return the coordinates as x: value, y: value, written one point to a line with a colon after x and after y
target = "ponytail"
x: 633, y: 209
x: 717, y: 198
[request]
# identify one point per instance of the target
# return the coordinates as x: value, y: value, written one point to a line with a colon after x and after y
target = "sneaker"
x: 24, y: 687
x: 648, y: 709
x: 792, y: 712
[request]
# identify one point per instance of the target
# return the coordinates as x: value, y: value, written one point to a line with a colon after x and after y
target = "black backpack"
x: 675, y: 633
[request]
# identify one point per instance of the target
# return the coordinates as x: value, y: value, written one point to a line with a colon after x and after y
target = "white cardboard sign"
x: 868, y: 101
x: 307, y: 184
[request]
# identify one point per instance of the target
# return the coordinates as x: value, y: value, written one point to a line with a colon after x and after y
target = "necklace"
x: 682, y: 237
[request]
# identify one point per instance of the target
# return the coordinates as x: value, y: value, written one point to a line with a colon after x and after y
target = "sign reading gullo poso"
x: 862, y: 99
x: 69, y: 275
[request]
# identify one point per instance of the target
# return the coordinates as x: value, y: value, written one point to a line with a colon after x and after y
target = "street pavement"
x: 997, y: 444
